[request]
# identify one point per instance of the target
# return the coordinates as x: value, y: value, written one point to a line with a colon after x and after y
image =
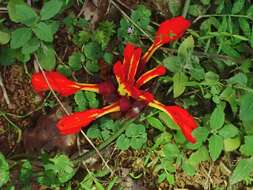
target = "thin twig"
x: 129, y: 19
x: 5, y: 95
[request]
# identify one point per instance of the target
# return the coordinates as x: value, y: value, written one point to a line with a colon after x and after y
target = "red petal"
x: 149, y: 75
x: 58, y: 82
x: 73, y: 123
x: 171, y: 29
x: 133, y: 65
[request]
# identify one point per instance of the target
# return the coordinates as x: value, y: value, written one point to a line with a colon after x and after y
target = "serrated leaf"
x: 179, y: 83
x: 46, y: 58
x: 231, y: 144
x: 25, y: 14
x: 237, y: 6
x: 244, y: 25
x: 170, y: 150
x: 92, y: 51
x: 229, y: 50
x: 12, y: 9
x: 243, y: 170
x: 246, y: 107
x: 138, y: 142
x: 173, y: 63
x: 91, y: 99
x: 50, y: 9
x: 228, y: 131
x: 4, y: 170
x: 19, y: 37
x: 65, y: 70
x: 239, y: 78
x: 4, y: 37
x: 196, y: 10
x: 31, y: 46
x: 199, y: 156
x: 43, y: 32
x: 81, y: 101
x: 186, y: 47
x: 75, y: 61
x: 215, y: 146
x: 156, y: 123
x: 229, y: 95
x: 217, y: 117
x: 123, y: 142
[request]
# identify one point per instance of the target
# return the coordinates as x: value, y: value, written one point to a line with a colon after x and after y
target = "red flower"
x: 64, y: 86
x: 128, y: 87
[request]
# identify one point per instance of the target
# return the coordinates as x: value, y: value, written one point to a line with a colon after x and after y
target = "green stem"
x: 221, y: 15
x: 186, y: 7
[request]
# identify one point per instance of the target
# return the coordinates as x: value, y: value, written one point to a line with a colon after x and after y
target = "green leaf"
x: 171, y: 150
x: 25, y: 14
x: 50, y: 9
x: 243, y: 170
x: 65, y: 70
x: 227, y: 49
x: 188, y: 168
x: 245, y: 26
x: 31, y: 46
x: 167, y: 121
x: 201, y: 134
x: 92, y: 99
x: 231, y: 144
x: 186, y: 47
x: 92, y: 66
x: 229, y: 95
x: 179, y: 82
x: 215, y: 146
x: 19, y: 37
x: 217, y: 117
x: 228, y: 131
x: 138, y: 142
x: 25, y: 172
x: 123, y: 142
x: 92, y: 51
x: 246, y: 107
x: 81, y: 101
x: 246, y: 149
x: 173, y: 63
x: 43, y: 32
x: 4, y: 170
x: 239, y: 78
x: 46, y: 58
x: 156, y: 123
x: 75, y: 61
x: 196, y: 10
x: 175, y: 7
x: 93, y: 132
x: 7, y: 56
x: 199, y: 156
x: 237, y: 6
x: 205, y: 2
x: 12, y: 9
x: 4, y: 37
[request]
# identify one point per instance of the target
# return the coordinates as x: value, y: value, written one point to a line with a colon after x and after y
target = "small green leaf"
x: 65, y: 70
x: 31, y: 46
x: 229, y: 95
x: 138, y: 142
x: 81, y: 101
x: 43, y: 32
x: 231, y: 144
x: 167, y: 121
x: 46, y: 58
x: 215, y: 146
x: 237, y: 6
x: 243, y: 170
x: 186, y: 47
x: 75, y: 61
x: 25, y: 172
x: 19, y: 37
x: 217, y: 117
x: 92, y: 51
x: 25, y: 14
x: 4, y: 170
x: 50, y: 9
x: 156, y: 123
x: 4, y: 37
x: 93, y: 132
x: 179, y: 82
x: 171, y: 150
x: 199, y: 156
x: 228, y: 131
x: 173, y: 63
x: 175, y: 7
x: 92, y: 99
x: 245, y: 26
x: 12, y: 9
x: 246, y: 107
x: 239, y: 78
x: 246, y: 149
x: 123, y: 142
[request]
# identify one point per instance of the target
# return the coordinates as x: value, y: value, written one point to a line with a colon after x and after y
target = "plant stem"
x: 5, y: 95
x: 221, y: 15
x: 186, y: 7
